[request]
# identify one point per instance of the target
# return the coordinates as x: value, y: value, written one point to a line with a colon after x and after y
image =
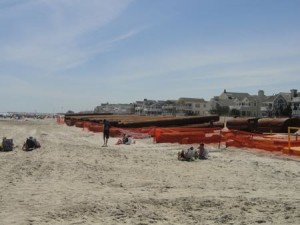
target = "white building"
x: 244, y: 103
x: 295, y: 103
x: 192, y: 106
x: 115, y: 108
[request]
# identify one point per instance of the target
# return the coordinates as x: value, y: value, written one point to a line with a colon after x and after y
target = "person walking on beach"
x: 106, y: 127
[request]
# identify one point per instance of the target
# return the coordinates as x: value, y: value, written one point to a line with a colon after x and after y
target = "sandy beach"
x: 71, y: 179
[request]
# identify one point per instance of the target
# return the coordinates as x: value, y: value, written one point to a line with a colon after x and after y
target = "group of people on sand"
x: 29, y: 144
x: 191, y: 154
x: 126, y: 139
x: 185, y: 155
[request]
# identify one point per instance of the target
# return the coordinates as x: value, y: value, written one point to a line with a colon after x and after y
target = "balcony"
x: 183, y: 108
x: 168, y: 107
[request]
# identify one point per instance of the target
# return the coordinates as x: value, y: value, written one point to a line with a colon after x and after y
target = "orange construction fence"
x: 187, y: 135
x: 60, y: 120
x: 136, y: 133
x: 234, y: 138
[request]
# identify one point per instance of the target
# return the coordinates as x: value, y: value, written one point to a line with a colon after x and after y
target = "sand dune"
x: 71, y: 179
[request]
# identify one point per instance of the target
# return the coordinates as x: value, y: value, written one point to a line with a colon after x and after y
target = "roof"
x: 192, y: 100
x: 287, y: 96
x: 272, y: 98
x: 238, y: 95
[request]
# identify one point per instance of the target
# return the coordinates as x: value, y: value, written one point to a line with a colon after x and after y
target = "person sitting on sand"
x: 30, y: 144
x: 188, y: 155
x: 125, y: 139
x: 203, y: 153
x: 181, y: 155
x: 196, y: 154
x: 130, y: 140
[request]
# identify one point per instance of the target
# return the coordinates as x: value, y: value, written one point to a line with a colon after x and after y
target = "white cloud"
x: 7, y: 4
x: 54, y: 40
x: 234, y: 61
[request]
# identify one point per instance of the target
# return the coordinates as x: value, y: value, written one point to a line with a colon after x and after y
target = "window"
x: 280, y: 103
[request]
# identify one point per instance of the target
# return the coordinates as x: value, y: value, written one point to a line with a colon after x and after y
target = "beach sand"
x: 71, y: 179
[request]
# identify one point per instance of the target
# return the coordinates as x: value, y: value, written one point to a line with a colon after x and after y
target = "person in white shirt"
x: 190, y: 154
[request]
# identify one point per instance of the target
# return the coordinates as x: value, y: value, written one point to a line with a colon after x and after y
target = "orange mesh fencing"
x: 266, y: 142
x: 95, y: 127
x: 259, y: 141
x: 187, y: 135
x: 60, y: 120
x: 234, y: 138
x: 86, y: 125
x: 136, y: 133
x: 79, y: 124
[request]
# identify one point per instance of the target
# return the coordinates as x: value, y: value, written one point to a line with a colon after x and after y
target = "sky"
x: 60, y: 55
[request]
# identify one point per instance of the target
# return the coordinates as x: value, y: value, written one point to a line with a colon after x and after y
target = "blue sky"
x: 59, y: 55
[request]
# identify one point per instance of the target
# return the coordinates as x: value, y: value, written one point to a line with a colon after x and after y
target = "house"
x: 258, y: 105
x: 295, y: 103
x: 148, y: 107
x: 154, y: 109
x: 192, y: 106
x: 115, y: 108
x: 180, y: 107
x: 273, y: 105
x: 169, y: 108
x: 244, y: 103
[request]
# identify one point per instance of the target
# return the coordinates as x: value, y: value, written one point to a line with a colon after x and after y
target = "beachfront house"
x: 275, y: 105
x: 295, y: 103
x: 180, y: 107
x: 169, y: 108
x: 244, y: 104
x: 236, y: 103
x: 147, y: 107
x: 192, y: 106
x: 124, y: 109
x: 154, y: 109
x: 248, y: 106
x: 227, y: 103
